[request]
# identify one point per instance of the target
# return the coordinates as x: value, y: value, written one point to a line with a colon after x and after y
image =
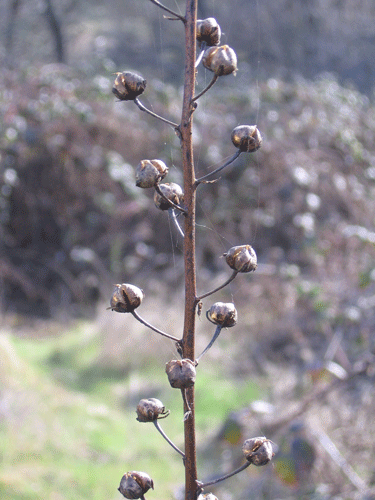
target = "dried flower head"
x: 135, y: 484
x: 258, y: 451
x: 246, y: 138
x: 149, y: 173
x: 181, y: 373
x: 127, y: 86
x: 222, y: 314
x: 208, y: 31
x: 172, y: 192
x: 126, y: 298
x: 242, y: 258
x: 221, y: 60
x: 149, y: 410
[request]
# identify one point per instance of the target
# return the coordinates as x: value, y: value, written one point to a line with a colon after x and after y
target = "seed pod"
x: 221, y: 60
x: 222, y: 314
x: 208, y: 31
x: 149, y: 410
x: 258, y: 451
x: 172, y: 192
x: 181, y: 373
x: 135, y: 484
x: 126, y: 298
x: 128, y: 86
x: 207, y: 496
x: 247, y: 138
x: 149, y: 173
x: 241, y: 258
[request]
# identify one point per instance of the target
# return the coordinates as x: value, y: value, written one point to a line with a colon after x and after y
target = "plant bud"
x: 258, y: 451
x: 126, y: 298
x: 128, y: 86
x: 208, y: 31
x: 181, y: 373
x: 172, y: 192
x: 151, y: 409
x: 241, y: 258
x: 135, y: 484
x: 222, y: 314
x: 221, y: 60
x: 149, y: 173
x: 247, y: 138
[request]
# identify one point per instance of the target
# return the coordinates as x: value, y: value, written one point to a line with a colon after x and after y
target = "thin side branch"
x: 231, y: 160
x: 174, y: 14
x: 141, y: 320
x: 212, y: 82
x: 216, y: 334
x: 173, y: 217
x: 156, y: 424
x: 240, y: 469
x: 219, y: 287
x: 146, y: 110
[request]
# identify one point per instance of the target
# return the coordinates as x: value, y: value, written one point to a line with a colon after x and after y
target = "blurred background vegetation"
x: 299, y: 366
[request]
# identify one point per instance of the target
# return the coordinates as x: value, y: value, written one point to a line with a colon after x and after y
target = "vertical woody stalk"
x: 189, y: 241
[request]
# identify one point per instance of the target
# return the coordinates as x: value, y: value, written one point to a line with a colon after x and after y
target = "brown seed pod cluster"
x: 208, y: 31
x: 135, y: 484
x: 222, y: 314
x: 127, y: 86
x: 181, y: 373
x: 151, y: 409
x: 258, y: 451
x: 172, y: 192
x: 221, y: 60
x: 126, y: 298
x: 246, y: 138
x: 149, y: 173
x: 242, y: 258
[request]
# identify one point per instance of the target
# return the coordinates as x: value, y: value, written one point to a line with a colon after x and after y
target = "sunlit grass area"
x: 68, y: 428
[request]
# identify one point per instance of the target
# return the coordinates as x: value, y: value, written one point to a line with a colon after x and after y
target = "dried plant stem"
x: 231, y: 160
x: 216, y: 334
x: 156, y: 424
x: 189, y: 243
x: 240, y: 469
x: 212, y: 82
x: 146, y: 110
x: 177, y: 16
x: 218, y: 288
x: 173, y: 217
x: 144, y: 322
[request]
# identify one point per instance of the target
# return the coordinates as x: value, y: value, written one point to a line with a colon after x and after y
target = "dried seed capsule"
x: 181, y: 373
x: 207, y: 496
x: 221, y: 60
x: 247, y: 138
x: 208, y: 31
x: 128, y: 86
x: 222, y: 314
x: 149, y: 410
x: 258, y: 451
x: 135, y: 484
x: 241, y: 258
x: 172, y: 192
x: 149, y: 173
x: 126, y: 298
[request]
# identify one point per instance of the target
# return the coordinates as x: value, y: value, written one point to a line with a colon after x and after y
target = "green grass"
x: 69, y: 430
